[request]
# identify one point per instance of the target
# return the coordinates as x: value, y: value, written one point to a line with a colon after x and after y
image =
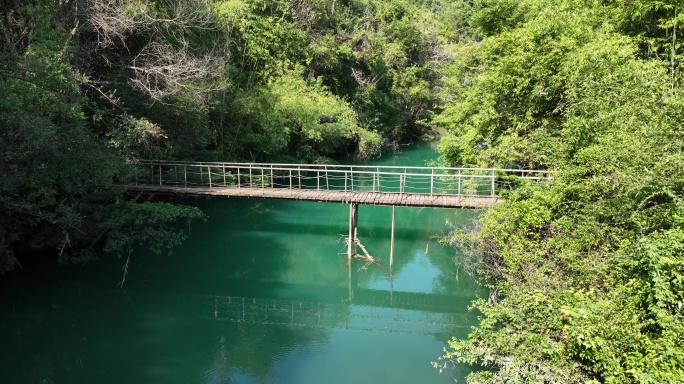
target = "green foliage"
x: 57, y: 175
x: 511, y: 95
x: 152, y: 225
x: 492, y: 17
x: 372, y: 56
x: 53, y: 168
x: 292, y: 113
x: 585, y: 273
x: 517, y: 342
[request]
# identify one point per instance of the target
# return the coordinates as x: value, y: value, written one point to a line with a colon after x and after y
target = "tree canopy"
x: 585, y: 273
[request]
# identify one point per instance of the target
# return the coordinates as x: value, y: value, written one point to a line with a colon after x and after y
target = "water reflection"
x: 260, y: 293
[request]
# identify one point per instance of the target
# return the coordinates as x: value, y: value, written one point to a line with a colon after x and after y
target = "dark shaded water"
x: 260, y: 293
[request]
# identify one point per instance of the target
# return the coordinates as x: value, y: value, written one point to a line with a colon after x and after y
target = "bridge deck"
x: 367, y: 198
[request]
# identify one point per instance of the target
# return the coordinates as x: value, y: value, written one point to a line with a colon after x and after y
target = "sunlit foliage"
x: 585, y: 273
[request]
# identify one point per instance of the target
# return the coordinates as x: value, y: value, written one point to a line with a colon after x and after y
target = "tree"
x: 57, y: 174
x: 582, y: 271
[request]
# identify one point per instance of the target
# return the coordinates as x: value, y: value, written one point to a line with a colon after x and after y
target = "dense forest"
x: 585, y: 274
x: 88, y: 86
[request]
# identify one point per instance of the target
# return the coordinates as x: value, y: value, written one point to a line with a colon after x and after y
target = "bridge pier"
x: 392, y: 242
x: 353, y: 229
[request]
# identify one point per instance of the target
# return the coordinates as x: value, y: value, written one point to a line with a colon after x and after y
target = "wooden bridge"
x: 440, y: 187
x: 473, y: 188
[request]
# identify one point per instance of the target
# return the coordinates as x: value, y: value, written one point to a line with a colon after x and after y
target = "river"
x: 259, y: 293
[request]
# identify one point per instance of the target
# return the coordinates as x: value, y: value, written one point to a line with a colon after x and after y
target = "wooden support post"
x: 350, y: 239
x: 459, y: 182
x: 271, y: 176
x: 160, y: 175
x: 327, y: 184
x: 379, y: 186
x: 318, y: 180
x: 493, y: 180
x: 345, y: 181
x: 392, y: 240
x: 185, y: 177
x: 404, y: 183
x: 209, y: 174
x: 353, y: 218
x: 238, y: 172
x: 299, y: 176
x: 224, y: 176
x: 349, y: 280
x: 262, y: 180
x: 351, y: 176
x: 356, y: 223
x: 290, y: 179
x: 432, y: 182
x: 250, y: 176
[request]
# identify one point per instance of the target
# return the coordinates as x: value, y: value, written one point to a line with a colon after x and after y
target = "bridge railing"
x: 349, y: 178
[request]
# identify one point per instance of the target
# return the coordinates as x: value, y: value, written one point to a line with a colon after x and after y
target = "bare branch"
x: 162, y: 70
x: 438, y: 55
x: 113, y: 20
x: 361, y: 78
x: 166, y: 65
x: 125, y: 270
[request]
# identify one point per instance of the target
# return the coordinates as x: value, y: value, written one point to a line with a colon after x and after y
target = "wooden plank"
x: 366, y: 197
x: 424, y: 201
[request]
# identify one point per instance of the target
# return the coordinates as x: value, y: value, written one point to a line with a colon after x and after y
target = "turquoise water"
x: 260, y: 293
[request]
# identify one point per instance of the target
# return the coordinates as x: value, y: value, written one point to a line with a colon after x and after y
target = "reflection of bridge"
x: 335, y: 315
x: 374, y: 185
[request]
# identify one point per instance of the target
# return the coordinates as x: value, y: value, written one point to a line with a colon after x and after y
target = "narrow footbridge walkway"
x: 351, y: 184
